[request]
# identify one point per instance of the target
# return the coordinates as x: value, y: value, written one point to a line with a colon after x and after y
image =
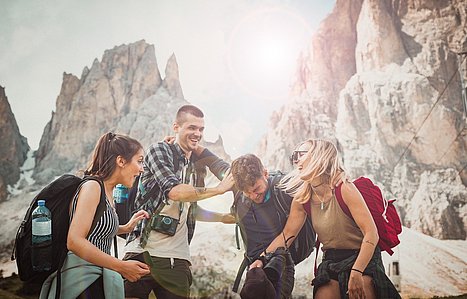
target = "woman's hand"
x: 128, y: 228
x: 133, y: 270
x: 355, y: 286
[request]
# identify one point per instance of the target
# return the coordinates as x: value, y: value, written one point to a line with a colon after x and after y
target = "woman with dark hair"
x: 89, y: 270
x: 352, y: 265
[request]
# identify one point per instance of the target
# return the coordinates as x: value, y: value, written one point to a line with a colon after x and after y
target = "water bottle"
x: 120, y: 193
x: 41, y: 237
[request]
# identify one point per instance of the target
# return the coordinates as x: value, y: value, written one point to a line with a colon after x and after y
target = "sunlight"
x: 263, y: 49
x: 272, y: 54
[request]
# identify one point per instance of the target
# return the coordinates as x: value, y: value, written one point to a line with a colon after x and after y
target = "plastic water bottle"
x: 120, y: 193
x: 41, y: 237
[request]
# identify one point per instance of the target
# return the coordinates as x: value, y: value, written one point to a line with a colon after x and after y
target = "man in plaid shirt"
x: 172, y: 183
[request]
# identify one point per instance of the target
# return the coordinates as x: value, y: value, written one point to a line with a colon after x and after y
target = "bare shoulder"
x: 348, y: 186
x: 350, y: 192
x: 91, y: 185
x: 90, y: 191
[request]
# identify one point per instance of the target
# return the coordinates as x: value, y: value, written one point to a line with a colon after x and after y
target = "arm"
x: 204, y: 157
x: 88, y: 199
x: 130, y: 225
x: 210, y: 216
x: 159, y: 162
x: 293, y: 226
x: 360, y: 213
x: 188, y: 193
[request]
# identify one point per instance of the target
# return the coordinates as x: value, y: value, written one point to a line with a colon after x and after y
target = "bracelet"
x: 353, y: 269
x: 263, y: 259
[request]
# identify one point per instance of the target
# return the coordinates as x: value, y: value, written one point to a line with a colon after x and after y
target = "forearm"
x: 188, y: 193
x: 279, y: 241
x: 87, y: 251
x: 294, y: 224
x: 208, y: 216
x: 123, y: 229
x: 367, y: 249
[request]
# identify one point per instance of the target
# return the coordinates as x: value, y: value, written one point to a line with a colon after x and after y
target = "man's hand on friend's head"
x: 226, y: 184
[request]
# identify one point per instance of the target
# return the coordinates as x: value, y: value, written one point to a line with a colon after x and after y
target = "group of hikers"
x: 170, y: 178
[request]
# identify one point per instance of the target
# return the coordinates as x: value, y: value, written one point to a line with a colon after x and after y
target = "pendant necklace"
x: 321, y: 205
x: 319, y: 198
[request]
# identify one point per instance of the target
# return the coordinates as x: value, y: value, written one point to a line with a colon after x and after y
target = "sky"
x: 236, y: 58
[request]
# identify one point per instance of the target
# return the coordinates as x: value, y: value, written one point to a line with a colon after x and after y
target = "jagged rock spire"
x: 172, y: 79
x: 13, y: 146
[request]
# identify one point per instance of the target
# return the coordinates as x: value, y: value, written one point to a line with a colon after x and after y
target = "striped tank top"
x: 106, y: 228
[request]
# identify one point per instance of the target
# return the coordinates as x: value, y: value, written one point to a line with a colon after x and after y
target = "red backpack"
x: 383, y: 212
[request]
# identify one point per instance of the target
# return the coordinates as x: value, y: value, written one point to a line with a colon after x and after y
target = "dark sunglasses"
x: 296, y: 155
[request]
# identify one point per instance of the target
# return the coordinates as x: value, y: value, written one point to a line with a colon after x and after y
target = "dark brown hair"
x: 246, y: 170
x: 108, y: 148
x: 187, y: 109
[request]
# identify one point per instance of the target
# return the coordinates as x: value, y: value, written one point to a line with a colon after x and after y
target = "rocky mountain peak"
x: 13, y: 148
x: 172, y: 80
x: 123, y: 92
x: 381, y: 78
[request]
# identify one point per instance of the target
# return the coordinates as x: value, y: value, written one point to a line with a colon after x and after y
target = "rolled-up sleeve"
x: 216, y: 165
x: 159, y: 162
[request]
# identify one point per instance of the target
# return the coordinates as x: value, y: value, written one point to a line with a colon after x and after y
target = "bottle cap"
x: 41, y: 202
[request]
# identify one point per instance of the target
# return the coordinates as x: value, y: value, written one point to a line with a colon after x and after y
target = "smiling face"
x: 299, y: 154
x: 257, y: 192
x: 132, y: 169
x: 189, y: 131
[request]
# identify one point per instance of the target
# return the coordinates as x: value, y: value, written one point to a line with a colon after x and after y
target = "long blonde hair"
x: 321, y: 161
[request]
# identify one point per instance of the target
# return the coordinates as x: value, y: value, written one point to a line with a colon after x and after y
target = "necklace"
x: 321, y: 205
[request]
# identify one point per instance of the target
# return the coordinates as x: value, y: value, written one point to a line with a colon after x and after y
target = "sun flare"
x: 263, y: 50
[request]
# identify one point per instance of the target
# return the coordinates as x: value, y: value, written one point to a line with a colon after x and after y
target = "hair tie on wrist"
x: 353, y: 269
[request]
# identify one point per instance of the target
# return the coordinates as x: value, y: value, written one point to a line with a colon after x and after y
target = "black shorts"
x: 337, y: 255
x: 168, y: 279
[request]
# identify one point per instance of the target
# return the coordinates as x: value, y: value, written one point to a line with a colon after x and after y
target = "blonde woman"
x: 352, y: 264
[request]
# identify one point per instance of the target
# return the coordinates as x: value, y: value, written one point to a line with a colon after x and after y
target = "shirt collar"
x: 181, y: 154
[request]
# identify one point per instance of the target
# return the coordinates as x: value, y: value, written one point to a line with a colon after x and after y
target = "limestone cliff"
x: 381, y: 78
x: 13, y: 146
x: 124, y: 92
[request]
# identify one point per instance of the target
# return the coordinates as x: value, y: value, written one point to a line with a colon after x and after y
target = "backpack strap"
x: 341, y: 202
x: 101, y: 207
x: 240, y: 271
x: 237, y: 238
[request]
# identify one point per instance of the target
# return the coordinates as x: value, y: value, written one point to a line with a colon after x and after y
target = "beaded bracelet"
x: 357, y: 270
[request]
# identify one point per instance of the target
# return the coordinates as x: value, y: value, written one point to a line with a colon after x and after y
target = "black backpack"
x: 57, y: 195
x: 304, y: 243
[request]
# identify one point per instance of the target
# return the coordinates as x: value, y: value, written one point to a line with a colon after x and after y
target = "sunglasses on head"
x: 296, y: 155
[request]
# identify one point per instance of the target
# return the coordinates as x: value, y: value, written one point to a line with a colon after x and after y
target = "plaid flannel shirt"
x: 159, y: 172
